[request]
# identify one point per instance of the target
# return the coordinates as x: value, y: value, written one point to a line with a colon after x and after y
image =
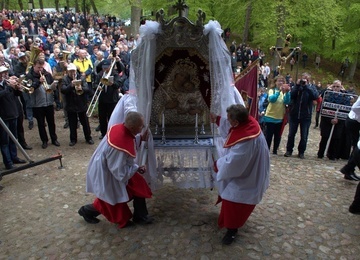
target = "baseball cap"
x: 3, y: 69
x: 21, y: 54
x: 71, y: 66
x: 106, y: 64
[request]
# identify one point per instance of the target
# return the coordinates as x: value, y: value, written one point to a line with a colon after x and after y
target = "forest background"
x: 329, y: 28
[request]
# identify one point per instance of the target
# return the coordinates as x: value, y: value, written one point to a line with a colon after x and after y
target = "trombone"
x: 104, y: 81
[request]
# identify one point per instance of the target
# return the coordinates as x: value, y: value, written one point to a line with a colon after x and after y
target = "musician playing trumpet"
x: 75, y: 91
x: 109, y: 96
x: 43, y: 100
x: 9, y: 114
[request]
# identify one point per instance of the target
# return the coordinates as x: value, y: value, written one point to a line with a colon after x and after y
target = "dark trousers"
x: 334, y: 150
x: 8, y: 147
x: 356, y: 202
x: 73, y: 121
x: 352, y: 128
x: 349, y: 168
x: 42, y: 113
x: 273, y: 130
x: 20, y: 129
x: 304, y: 133
x: 105, y: 110
x: 317, y: 117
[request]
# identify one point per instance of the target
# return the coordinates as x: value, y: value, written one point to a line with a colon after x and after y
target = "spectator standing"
x: 302, y: 96
x: 279, y: 97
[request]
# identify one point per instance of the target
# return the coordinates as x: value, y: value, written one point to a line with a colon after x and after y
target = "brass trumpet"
x: 78, y: 88
x: 26, y: 86
x: 45, y: 85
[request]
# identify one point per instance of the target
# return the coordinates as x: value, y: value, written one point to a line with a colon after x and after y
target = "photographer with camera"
x: 302, y: 96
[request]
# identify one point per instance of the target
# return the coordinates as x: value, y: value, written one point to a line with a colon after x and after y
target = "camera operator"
x: 302, y: 96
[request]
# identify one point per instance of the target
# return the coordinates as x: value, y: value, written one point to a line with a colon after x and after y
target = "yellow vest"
x: 84, y: 66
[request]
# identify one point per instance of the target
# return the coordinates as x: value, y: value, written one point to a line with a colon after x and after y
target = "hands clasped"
x: 141, y: 169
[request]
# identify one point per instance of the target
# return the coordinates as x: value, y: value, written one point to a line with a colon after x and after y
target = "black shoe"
x: 10, y: 166
x: 143, y: 220
x: 274, y: 152
x: 101, y: 137
x: 320, y: 156
x: 56, y: 143
x: 129, y: 224
x: 287, y: 154
x: 229, y: 236
x: 88, y: 219
x: 90, y: 141
x: 301, y: 156
x: 351, y: 177
x: 26, y: 147
x: 66, y: 125
x: 18, y: 161
x: 72, y: 143
x: 44, y: 145
x: 97, y: 129
x: 31, y: 125
x: 354, y: 210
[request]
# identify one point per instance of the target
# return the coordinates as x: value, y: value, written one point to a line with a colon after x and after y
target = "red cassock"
x: 234, y: 215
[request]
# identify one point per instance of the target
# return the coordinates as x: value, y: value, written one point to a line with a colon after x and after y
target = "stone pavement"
x: 304, y: 214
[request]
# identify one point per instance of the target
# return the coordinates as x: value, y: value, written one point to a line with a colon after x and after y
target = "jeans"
x: 8, y: 147
x: 29, y: 111
x: 304, y: 133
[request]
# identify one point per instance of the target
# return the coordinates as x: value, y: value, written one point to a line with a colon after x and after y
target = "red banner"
x: 246, y: 82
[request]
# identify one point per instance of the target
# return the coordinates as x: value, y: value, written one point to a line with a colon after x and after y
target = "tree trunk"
x: 135, y: 17
x: 247, y: 22
x: 67, y: 4
x: 57, y: 5
x: 94, y: 6
x: 41, y: 4
x: 21, y: 5
x: 353, y: 67
x: 77, y: 7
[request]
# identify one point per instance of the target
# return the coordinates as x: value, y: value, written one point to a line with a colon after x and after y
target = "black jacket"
x: 109, y: 94
x: 74, y: 102
x: 302, y: 98
x: 8, y: 108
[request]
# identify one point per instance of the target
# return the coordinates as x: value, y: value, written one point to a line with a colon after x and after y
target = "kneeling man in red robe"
x: 113, y: 176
